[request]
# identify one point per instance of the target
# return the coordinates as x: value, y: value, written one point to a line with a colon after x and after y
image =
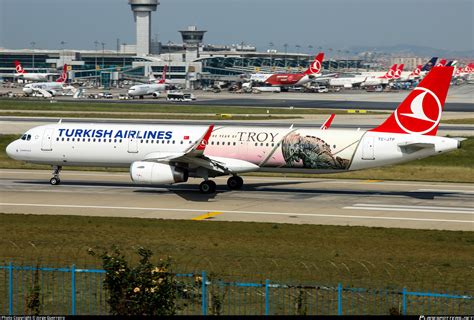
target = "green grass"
x: 459, y: 121
x: 144, y: 116
x: 13, y: 105
x: 358, y: 256
x: 455, y: 166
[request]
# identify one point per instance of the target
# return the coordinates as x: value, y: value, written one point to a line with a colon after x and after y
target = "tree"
x: 144, y: 289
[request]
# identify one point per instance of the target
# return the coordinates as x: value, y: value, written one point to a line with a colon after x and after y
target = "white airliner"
x: 21, y: 73
x: 48, y: 89
x: 364, y: 79
x: 154, y: 89
x: 167, y: 154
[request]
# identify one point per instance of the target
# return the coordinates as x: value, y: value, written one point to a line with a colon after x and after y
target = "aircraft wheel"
x: 54, y: 181
x: 207, y: 187
x: 235, y: 183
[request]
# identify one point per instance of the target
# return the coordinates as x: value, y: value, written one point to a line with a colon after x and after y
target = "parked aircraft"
x: 21, y: 73
x: 364, y: 79
x: 48, y: 89
x: 154, y: 88
x: 165, y: 154
x: 291, y: 79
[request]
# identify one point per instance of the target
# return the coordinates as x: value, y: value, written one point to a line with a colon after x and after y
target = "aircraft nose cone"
x: 11, y: 150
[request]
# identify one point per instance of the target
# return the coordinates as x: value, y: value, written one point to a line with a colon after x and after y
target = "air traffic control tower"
x: 142, y: 14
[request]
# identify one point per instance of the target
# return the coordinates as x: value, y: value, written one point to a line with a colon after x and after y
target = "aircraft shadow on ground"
x: 190, y: 192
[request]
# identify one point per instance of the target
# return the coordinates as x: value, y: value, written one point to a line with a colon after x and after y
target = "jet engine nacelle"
x: 155, y: 94
x: 152, y: 172
x: 53, y: 92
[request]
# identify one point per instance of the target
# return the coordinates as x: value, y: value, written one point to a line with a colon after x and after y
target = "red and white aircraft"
x: 165, y: 153
x: 50, y: 88
x: 154, y: 88
x: 21, y: 73
x: 291, y: 79
x: 328, y: 122
x: 364, y: 79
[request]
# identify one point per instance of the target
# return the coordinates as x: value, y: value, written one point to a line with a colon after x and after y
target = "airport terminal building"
x: 190, y: 63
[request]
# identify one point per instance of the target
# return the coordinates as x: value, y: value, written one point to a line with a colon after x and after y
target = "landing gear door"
x: 368, y: 152
x: 47, y: 141
x: 132, y: 145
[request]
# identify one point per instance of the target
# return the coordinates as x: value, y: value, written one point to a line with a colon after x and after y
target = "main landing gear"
x: 55, y: 179
x: 235, y: 183
x: 209, y: 186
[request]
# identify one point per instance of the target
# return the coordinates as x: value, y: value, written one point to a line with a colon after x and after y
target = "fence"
x: 71, y: 291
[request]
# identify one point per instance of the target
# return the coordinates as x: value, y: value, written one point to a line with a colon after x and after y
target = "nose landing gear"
x: 55, y: 179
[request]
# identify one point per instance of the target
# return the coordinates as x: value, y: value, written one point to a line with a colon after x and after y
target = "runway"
x: 400, y: 204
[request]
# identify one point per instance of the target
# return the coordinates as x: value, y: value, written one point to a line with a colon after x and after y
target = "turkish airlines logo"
x: 423, y: 114
x: 315, y: 67
x: 19, y: 69
x: 417, y: 71
x: 390, y: 74
x: 398, y: 73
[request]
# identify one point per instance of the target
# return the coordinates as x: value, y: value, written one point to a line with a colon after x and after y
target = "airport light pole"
x: 33, y: 56
x: 62, y: 48
x: 286, y: 51
x: 297, y: 55
x: 96, y: 43
x: 310, y: 51
x: 103, y: 53
x: 241, y: 52
x: 270, y: 45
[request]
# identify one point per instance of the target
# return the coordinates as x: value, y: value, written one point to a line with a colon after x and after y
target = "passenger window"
x: 62, y: 139
x: 28, y: 137
x: 67, y: 139
x: 57, y: 139
x: 234, y: 143
x: 120, y: 140
x: 168, y: 142
x: 141, y: 141
x: 228, y: 143
x: 115, y: 140
x: 93, y: 140
x: 83, y: 139
x: 72, y: 139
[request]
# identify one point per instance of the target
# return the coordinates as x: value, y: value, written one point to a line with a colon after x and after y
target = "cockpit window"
x: 26, y: 137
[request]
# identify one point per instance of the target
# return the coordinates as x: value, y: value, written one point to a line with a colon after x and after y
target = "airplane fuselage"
x: 265, y: 148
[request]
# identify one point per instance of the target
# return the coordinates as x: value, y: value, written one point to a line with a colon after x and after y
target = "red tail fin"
x: 417, y: 71
x: 328, y: 122
x: 398, y: 72
x: 441, y: 63
x: 19, y: 68
x: 390, y: 73
x: 420, y: 112
x: 63, y: 77
x: 316, y: 66
x: 163, y: 75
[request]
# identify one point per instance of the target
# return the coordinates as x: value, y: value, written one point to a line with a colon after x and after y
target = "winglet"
x: 328, y: 122
x: 205, y: 139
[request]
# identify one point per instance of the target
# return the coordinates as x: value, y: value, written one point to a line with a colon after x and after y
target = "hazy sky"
x: 443, y: 24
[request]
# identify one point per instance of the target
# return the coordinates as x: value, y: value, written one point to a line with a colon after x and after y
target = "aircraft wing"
x: 194, y: 156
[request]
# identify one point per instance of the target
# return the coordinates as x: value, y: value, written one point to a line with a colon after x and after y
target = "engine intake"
x: 152, y: 172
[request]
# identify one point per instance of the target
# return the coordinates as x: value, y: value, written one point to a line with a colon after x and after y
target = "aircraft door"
x: 368, y: 152
x: 47, y: 140
x: 132, y: 145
